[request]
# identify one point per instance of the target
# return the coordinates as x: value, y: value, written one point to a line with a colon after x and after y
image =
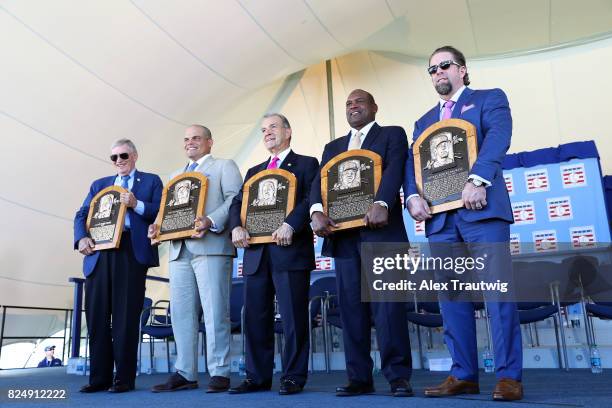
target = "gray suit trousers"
x: 205, y: 280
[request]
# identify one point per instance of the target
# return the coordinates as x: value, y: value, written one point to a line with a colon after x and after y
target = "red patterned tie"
x: 447, y: 111
x: 273, y: 163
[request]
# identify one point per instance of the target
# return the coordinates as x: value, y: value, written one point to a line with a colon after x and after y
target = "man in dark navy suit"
x: 485, y: 220
x: 281, y: 268
x: 115, y: 278
x: 384, y: 223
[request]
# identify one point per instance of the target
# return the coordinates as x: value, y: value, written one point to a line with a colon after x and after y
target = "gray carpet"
x: 543, y: 388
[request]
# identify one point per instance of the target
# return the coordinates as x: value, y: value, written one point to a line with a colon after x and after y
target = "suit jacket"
x: 489, y: 111
x: 391, y: 143
x: 147, y: 188
x: 300, y: 254
x: 223, y: 184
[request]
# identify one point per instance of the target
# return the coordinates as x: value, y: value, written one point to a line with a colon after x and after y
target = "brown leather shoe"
x: 508, y: 389
x: 452, y: 386
x: 218, y: 384
x: 175, y: 382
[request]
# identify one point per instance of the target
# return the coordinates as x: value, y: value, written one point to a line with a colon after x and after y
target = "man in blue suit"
x: 485, y: 219
x: 384, y: 223
x: 115, y: 278
x: 281, y: 268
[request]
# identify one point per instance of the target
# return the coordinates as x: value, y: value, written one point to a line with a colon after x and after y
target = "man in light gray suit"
x: 201, y: 271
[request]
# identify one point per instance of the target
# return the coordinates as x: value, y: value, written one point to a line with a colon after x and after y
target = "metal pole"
x: 330, y: 100
x: 2, y: 330
x: 75, y: 329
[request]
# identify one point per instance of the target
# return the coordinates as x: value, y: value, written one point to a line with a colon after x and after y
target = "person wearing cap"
x: 50, y: 360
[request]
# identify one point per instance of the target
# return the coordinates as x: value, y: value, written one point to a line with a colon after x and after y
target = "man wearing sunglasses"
x: 115, y: 278
x: 485, y: 219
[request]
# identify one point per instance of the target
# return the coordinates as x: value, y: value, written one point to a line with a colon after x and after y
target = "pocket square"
x: 465, y: 108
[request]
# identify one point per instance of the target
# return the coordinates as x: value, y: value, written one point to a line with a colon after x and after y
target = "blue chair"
x: 424, y: 314
x: 156, y: 327
x: 320, y: 290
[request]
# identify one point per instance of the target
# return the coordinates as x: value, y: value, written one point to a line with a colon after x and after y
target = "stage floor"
x: 543, y: 388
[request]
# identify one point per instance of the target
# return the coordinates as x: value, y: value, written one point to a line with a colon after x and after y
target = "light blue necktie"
x: 192, y: 166
x: 124, y: 184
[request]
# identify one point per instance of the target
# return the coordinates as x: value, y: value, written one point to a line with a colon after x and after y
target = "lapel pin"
x: 137, y: 179
x: 288, y: 164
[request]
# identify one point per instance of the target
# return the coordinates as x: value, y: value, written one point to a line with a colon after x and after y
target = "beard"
x: 443, y: 88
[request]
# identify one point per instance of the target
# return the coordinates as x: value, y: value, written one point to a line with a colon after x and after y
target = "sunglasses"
x: 124, y: 156
x: 444, y: 65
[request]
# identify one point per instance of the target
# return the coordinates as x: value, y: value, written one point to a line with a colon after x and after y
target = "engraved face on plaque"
x: 106, y: 217
x: 268, y: 197
x: 183, y: 199
x: 349, y: 183
x: 443, y: 156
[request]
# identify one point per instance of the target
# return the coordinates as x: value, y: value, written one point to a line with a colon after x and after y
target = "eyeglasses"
x: 444, y: 65
x: 124, y: 156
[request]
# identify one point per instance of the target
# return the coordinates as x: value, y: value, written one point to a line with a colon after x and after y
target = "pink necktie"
x: 447, y: 111
x: 273, y: 163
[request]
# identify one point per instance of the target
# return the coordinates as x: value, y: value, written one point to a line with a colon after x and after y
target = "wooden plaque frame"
x: 325, y: 182
x: 120, y: 218
x: 163, y: 209
x: 472, y: 144
x: 290, y: 177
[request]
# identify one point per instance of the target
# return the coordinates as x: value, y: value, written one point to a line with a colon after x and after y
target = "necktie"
x: 273, y: 163
x: 355, y: 142
x: 124, y: 181
x: 447, y: 110
x: 124, y: 184
x: 192, y: 166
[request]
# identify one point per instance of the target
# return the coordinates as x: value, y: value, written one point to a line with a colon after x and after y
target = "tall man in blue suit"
x: 485, y: 219
x: 384, y: 223
x: 115, y: 278
x: 281, y: 268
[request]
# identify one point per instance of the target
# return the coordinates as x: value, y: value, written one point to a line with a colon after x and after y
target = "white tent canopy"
x: 76, y: 75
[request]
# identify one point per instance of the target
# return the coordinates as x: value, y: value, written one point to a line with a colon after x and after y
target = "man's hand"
x: 283, y: 235
x: 322, y: 225
x: 128, y: 199
x: 202, y: 224
x: 152, y: 234
x: 86, y: 246
x: 240, y: 237
x: 377, y: 216
x: 474, y: 198
x: 418, y: 208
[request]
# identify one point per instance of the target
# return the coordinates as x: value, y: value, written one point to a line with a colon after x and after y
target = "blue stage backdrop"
x: 557, y: 197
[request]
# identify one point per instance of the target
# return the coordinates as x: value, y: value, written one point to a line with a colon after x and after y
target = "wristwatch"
x: 475, y: 182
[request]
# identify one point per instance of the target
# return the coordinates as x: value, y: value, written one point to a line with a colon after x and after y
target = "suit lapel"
x: 207, y: 163
x: 465, y: 97
x: 289, y: 162
x: 371, y: 136
x: 346, y: 141
x: 136, y: 183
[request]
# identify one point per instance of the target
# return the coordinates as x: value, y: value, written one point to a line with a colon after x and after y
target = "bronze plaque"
x: 183, y: 199
x: 349, y: 183
x: 267, y: 198
x: 106, y: 218
x: 443, y: 157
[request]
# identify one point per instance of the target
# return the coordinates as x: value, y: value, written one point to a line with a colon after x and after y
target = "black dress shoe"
x: 89, y: 388
x: 289, y: 386
x: 354, y: 388
x: 119, y: 387
x: 401, y: 388
x: 249, y: 386
x: 175, y: 382
x: 218, y: 384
